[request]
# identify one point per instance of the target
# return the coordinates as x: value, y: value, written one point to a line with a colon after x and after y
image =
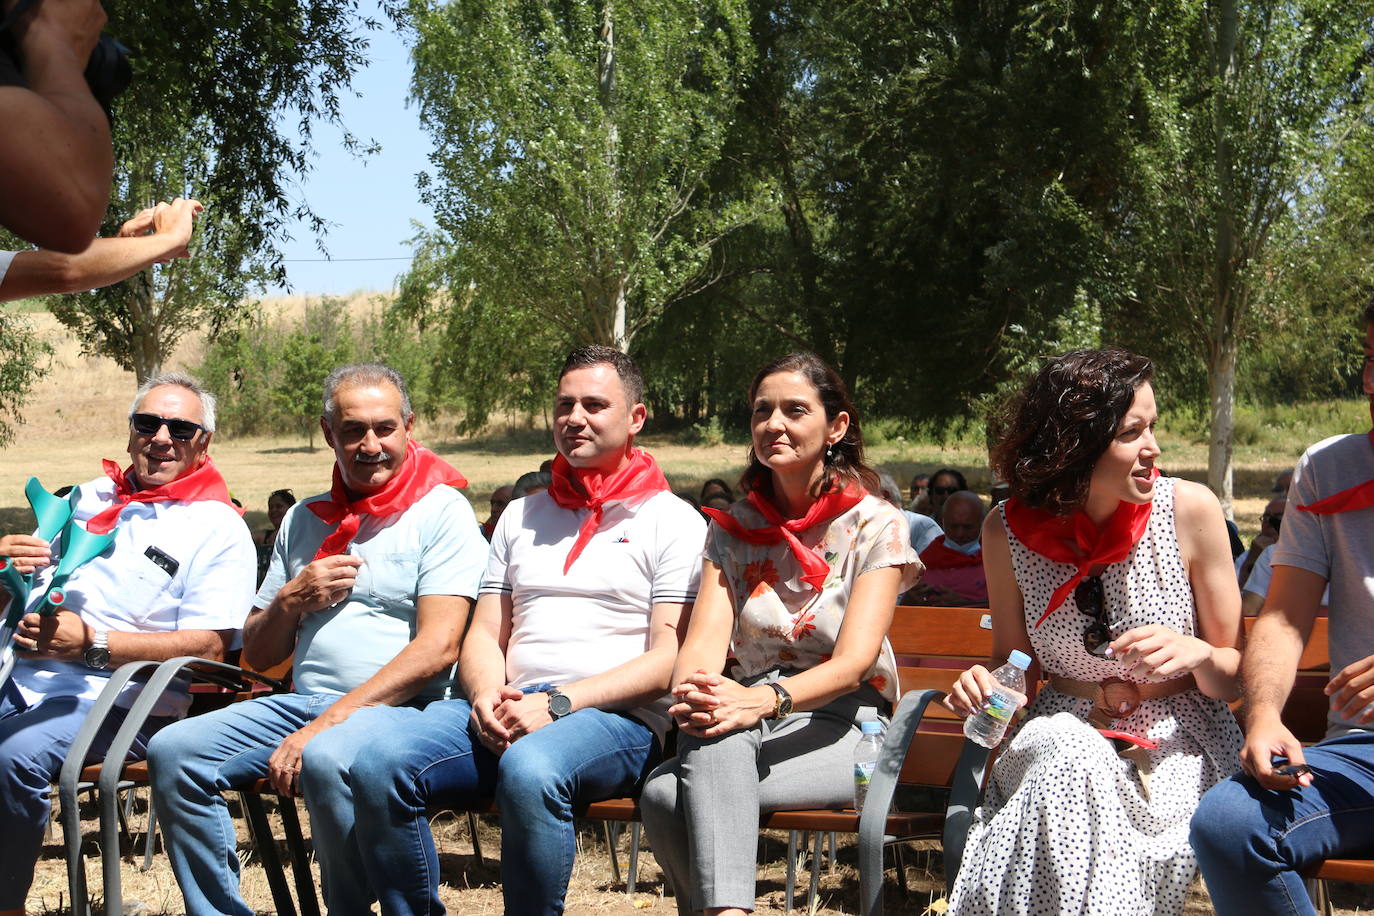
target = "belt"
x: 1114, y: 698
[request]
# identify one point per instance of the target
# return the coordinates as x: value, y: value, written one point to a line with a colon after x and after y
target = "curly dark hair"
x: 845, y: 461
x: 1061, y: 423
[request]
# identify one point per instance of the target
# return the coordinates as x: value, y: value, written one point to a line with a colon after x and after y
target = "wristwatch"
x: 784, y: 704
x: 98, y: 655
x: 559, y: 705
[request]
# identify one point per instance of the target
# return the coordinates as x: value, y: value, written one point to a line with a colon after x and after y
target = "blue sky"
x: 370, y: 202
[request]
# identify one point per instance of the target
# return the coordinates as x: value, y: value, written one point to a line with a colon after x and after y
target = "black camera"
x: 107, y: 70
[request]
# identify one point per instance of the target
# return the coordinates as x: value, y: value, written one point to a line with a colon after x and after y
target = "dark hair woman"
x: 1119, y: 584
x: 278, y: 501
x: 943, y: 483
x: 799, y: 581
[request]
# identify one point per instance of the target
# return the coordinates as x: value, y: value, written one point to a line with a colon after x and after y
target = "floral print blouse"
x: 783, y: 623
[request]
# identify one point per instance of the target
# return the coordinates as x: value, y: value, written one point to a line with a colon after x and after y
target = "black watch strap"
x: 783, y: 708
x: 559, y: 704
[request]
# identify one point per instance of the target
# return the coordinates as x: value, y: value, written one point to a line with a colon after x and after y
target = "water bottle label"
x: 863, y: 773
x: 1000, y: 707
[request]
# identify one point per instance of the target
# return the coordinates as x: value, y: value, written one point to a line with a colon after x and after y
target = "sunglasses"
x: 1273, y: 521
x: 1091, y: 599
x: 147, y: 424
x: 944, y: 491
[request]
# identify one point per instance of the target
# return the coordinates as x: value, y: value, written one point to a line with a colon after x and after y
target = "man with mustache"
x: 176, y: 581
x: 566, y: 666
x: 370, y: 586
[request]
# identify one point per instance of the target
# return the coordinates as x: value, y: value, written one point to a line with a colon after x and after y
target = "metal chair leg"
x: 267, y: 850
x: 150, y: 836
x: 476, y: 841
x: 607, y: 829
x: 833, y: 851
x: 636, y: 830
x: 300, y: 862
x: 790, y: 882
x: 813, y: 892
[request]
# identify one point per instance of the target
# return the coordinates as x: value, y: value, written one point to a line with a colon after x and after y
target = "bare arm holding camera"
x: 154, y: 236
x: 56, y: 170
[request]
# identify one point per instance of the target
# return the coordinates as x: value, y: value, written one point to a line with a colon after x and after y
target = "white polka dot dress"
x: 1066, y: 825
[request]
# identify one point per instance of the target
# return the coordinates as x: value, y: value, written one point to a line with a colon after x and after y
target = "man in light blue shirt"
x: 370, y: 587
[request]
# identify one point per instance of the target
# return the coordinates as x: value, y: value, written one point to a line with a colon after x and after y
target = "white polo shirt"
x: 203, y: 580
x: 568, y: 627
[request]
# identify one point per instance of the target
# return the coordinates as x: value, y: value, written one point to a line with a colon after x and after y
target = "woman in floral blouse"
x: 799, y: 582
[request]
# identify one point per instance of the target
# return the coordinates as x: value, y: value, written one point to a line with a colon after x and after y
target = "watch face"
x: 559, y: 705
x: 97, y: 657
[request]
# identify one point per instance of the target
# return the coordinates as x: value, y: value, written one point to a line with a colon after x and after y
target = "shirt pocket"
x: 142, y: 597
x: 392, y: 578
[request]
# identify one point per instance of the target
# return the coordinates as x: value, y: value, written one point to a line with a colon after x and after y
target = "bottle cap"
x: 871, y: 728
x: 1019, y: 659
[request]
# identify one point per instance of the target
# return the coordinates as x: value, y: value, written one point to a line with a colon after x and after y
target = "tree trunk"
x: 145, y: 335
x: 1227, y: 296
x: 1222, y: 384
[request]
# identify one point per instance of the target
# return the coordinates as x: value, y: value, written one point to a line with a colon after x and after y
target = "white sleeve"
x: 1261, y: 573
x: 5, y: 258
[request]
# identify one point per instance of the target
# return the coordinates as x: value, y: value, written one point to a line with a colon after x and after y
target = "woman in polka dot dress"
x: 1119, y: 584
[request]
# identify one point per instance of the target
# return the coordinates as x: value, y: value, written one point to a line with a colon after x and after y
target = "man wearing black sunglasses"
x: 177, y: 580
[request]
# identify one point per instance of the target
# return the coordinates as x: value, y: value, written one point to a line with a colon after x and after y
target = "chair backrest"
x: 1307, y: 706
x: 933, y: 646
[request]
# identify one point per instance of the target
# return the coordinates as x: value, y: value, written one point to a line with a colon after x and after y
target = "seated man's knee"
x: 528, y: 774
x: 1226, y: 824
x: 171, y: 749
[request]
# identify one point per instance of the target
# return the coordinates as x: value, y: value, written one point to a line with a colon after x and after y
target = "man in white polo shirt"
x: 370, y: 587
x: 566, y: 666
x: 176, y: 581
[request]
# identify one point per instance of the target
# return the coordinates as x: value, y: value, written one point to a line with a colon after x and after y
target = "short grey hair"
x: 889, y: 490
x: 362, y: 374
x: 180, y: 380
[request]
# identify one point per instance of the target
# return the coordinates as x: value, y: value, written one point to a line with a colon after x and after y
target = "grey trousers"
x: 701, y: 809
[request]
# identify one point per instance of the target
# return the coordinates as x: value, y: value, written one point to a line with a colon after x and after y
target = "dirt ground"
x: 472, y: 886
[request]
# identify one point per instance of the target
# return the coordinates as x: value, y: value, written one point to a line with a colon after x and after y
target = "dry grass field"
x: 77, y: 416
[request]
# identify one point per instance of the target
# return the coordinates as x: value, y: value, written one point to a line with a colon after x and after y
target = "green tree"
x: 1246, y: 110
x: 223, y: 102
x: 572, y: 141
x: 23, y: 360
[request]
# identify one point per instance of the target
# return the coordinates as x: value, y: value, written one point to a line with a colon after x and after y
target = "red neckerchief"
x: 814, y: 569
x: 204, y: 482
x: 421, y: 472
x: 586, y: 488
x: 941, y: 556
x: 1360, y: 496
x: 1074, y: 539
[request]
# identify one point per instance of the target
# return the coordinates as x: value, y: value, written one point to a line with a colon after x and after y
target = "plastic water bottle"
x: 988, y: 725
x: 866, y: 760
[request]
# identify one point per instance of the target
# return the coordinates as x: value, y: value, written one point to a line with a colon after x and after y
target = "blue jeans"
x: 1251, y: 841
x: 194, y: 761
x: 33, y: 743
x: 432, y: 758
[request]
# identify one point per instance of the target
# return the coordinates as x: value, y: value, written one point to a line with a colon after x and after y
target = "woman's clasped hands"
x: 709, y: 705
